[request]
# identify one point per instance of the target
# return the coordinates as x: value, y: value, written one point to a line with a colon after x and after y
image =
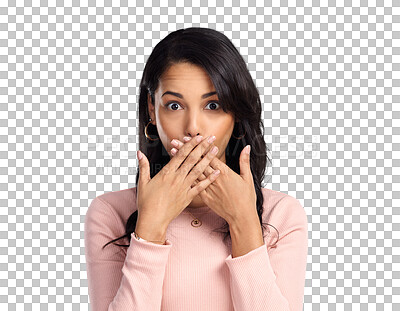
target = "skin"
x: 192, y: 114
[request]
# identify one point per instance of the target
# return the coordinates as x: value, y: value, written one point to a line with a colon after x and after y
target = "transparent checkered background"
x: 328, y: 73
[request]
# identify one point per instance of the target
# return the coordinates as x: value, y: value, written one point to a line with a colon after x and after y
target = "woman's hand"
x: 231, y: 196
x: 162, y: 198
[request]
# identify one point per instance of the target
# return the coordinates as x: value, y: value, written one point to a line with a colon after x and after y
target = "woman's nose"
x: 193, y: 127
x: 192, y: 135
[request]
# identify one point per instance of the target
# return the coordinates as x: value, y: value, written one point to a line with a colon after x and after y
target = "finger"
x: 209, y: 170
x: 144, y: 168
x: 203, y: 176
x: 181, y: 155
x: 194, y: 156
x: 195, y: 183
x: 200, y: 186
x: 178, y: 145
x: 201, y: 166
x: 200, y: 178
x: 244, y: 163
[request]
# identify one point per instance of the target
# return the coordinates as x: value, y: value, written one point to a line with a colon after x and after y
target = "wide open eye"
x: 214, y: 104
x: 173, y: 104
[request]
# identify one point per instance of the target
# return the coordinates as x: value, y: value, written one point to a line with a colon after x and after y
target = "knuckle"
x: 194, y: 155
x: 185, y: 150
x: 206, y: 144
x: 185, y: 167
x: 199, y: 187
x: 205, y: 149
x: 178, y: 157
x: 210, y: 155
x: 197, y: 170
x: 165, y: 171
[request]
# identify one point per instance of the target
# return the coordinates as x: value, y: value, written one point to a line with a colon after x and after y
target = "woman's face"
x: 186, y: 105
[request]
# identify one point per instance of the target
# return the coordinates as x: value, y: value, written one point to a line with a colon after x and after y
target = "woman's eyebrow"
x: 181, y: 96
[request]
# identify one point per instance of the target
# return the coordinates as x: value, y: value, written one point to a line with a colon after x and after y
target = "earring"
x: 240, y: 137
x: 147, y: 135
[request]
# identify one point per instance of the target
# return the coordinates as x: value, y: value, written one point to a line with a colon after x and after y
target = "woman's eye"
x: 172, y: 104
x: 213, y: 105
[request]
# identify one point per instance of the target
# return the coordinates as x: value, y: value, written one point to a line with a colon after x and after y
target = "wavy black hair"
x: 215, y: 53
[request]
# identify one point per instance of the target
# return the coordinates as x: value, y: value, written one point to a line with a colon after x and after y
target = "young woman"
x: 198, y: 223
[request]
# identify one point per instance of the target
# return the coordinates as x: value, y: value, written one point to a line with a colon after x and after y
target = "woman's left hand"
x: 231, y: 196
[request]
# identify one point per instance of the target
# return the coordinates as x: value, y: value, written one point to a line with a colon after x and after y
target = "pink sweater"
x: 195, y: 270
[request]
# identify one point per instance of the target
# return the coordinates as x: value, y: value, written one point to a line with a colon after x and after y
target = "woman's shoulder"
x: 283, y: 209
x: 118, y: 205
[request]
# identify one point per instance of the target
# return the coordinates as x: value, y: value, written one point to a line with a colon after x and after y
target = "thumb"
x: 144, y: 168
x: 244, y: 163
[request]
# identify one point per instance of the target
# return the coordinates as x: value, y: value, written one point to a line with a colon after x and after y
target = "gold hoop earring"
x: 240, y: 137
x: 146, y: 134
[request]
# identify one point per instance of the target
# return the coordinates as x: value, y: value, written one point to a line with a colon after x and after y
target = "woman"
x: 196, y: 94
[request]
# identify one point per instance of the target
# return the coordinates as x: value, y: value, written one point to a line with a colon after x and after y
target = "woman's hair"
x: 214, y: 52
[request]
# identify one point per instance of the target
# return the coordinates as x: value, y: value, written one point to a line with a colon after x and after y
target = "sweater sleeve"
x: 119, y: 281
x: 274, y: 279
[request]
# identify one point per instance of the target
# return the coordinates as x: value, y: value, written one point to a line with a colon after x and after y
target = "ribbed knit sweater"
x: 195, y: 269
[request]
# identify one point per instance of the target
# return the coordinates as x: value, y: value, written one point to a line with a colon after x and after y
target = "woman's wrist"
x: 161, y: 242
x: 150, y: 234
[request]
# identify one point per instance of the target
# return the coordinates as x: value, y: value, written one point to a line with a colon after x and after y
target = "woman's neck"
x: 196, y: 202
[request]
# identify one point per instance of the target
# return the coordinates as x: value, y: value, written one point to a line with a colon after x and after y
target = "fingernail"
x: 248, y: 147
x: 217, y: 172
x: 174, y: 142
x: 211, y: 139
x: 173, y: 151
x: 139, y: 155
x: 199, y: 138
x: 187, y: 138
x: 214, y: 150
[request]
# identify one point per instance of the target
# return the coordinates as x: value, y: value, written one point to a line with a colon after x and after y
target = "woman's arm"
x: 274, y: 279
x: 117, y: 281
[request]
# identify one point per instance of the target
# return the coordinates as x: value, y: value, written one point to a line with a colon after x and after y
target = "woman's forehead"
x: 184, y: 71
x: 187, y: 83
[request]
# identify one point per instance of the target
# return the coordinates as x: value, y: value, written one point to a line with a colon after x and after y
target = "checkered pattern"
x: 328, y: 73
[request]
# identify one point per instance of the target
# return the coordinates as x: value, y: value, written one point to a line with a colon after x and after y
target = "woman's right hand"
x: 162, y: 198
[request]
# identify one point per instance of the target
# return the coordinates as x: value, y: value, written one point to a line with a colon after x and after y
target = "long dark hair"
x: 237, y: 93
